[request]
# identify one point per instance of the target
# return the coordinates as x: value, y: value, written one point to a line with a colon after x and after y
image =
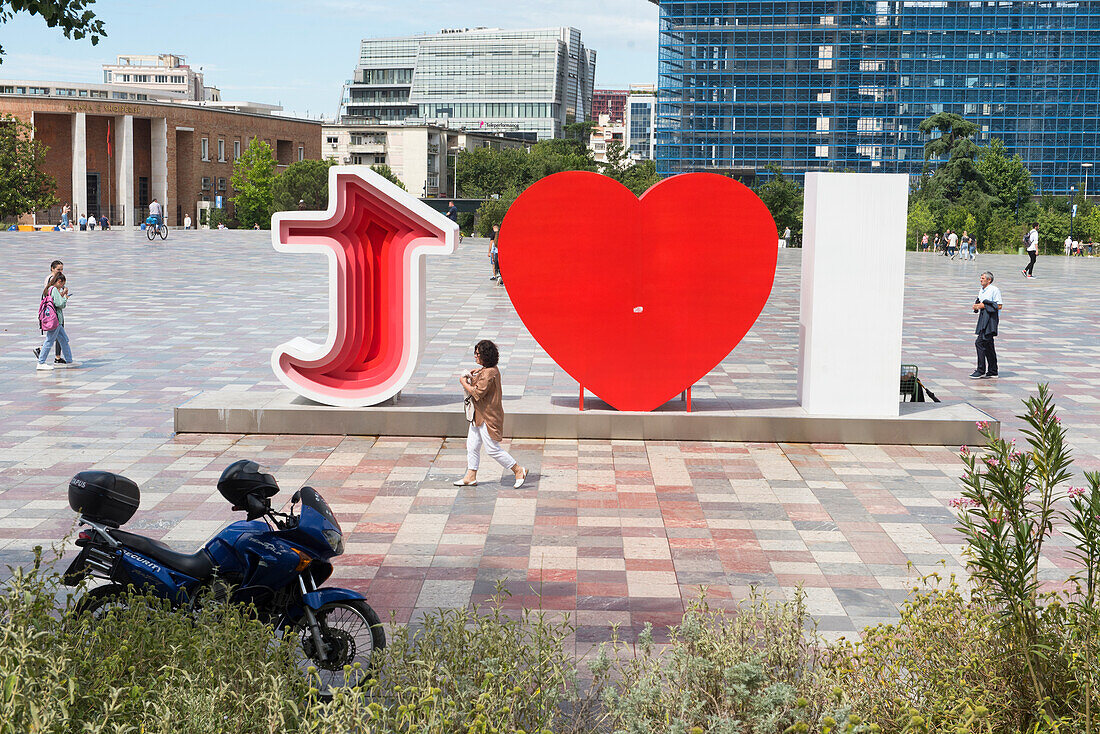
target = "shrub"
x: 466, y: 670
x: 143, y: 668
x: 941, y: 657
x: 752, y: 671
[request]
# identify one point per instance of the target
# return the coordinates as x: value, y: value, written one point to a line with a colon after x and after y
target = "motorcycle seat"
x: 198, y: 565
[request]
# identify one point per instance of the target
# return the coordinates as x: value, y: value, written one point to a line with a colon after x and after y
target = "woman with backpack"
x: 51, y: 317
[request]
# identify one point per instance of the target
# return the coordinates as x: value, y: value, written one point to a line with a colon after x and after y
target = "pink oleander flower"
x: 1076, y: 491
x: 962, y: 503
x: 1015, y: 455
x: 992, y: 461
x: 1057, y: 420
x: 982, y: 425
x: 964, y: 450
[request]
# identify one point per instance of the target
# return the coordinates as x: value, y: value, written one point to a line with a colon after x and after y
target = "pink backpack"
x: 47, y: 314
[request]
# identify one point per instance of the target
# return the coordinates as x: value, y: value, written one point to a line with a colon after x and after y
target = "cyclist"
x: 156, y: 211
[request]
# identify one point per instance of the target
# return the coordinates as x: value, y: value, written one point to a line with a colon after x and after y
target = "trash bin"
x: 1022, y: 251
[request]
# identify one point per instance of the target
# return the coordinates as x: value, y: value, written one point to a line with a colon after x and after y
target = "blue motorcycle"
x: 274, y: 561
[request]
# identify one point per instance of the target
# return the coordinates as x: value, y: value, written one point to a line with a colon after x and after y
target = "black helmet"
x: 243, y: 478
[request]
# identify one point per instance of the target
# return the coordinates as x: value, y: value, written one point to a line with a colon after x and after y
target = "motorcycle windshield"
x: 313, y: 502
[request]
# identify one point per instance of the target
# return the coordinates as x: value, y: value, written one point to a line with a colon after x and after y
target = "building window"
x: 221, y: 150
x: 301, y: 153
x: 332, y: 140
x: 207, y: 183
x: 204, y: 149
x: 162, y: 79
x: 221, y: 184
x: 236, y: 149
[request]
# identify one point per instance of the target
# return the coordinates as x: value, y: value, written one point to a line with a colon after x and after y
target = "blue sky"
x: 298, y: 54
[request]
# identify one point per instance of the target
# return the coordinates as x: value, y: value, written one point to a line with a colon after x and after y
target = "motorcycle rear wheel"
x: 353, y: 633
x: 97, y: 601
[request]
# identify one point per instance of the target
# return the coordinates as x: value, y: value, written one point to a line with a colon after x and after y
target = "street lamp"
x: 454, y: 151
x: 1072, y: 210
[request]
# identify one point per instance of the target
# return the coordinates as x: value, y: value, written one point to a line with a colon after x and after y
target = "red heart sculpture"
x: 637, y: 299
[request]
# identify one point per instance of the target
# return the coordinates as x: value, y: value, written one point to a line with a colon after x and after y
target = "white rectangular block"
x: 853, y: 288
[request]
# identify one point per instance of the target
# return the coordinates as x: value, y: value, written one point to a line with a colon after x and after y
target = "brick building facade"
x: 155, y: 150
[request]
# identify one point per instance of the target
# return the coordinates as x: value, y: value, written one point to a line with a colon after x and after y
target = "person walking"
x: 494, y: 258
x: 483, y: 388
x: 83, y: 223
x: 187, y: 221
x: 1032, y: 250
x: 952, y: 243
x: 452, y: 214
x: 55, y: 267
x: 964, y: 245
x: 65, y: 217
x: 924, y: 242
x: 59, y: 295
x: 988, y: 307
x: 973, y: 247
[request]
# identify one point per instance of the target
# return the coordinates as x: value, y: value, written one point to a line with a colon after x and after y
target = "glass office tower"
x: 526, y: 82
x: 843, y: 85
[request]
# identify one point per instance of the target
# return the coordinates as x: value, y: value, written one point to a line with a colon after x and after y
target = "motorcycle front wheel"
x: 352, y: 633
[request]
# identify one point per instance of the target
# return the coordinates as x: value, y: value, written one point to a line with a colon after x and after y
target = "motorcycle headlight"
x: 335, y: 540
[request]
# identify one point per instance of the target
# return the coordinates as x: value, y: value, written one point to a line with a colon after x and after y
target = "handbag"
x: 468, y: 408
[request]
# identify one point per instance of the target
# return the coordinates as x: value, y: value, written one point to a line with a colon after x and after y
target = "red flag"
x: 108, y: 138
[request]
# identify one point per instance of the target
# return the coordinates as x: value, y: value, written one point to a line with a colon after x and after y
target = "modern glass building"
x: 843, y: 85
x: 641, y: 119
x: 528, y: 82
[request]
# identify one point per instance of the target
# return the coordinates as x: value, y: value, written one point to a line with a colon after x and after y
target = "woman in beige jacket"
x: 487, y: 427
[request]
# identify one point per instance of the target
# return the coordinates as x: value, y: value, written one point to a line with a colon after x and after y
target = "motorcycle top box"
x: 103, y: 497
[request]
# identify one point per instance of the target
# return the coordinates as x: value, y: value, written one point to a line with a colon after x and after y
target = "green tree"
x: 554, y: 156
x: 959, y: 174
x: 492, y: 212
x: 919, y: 223
x: 72, y: 16
x: 1009, y: 178
x: 1053, y: 230
x: 617, y: 160
x: 253, y: 183
x: 1002, y: 234
x: 640, y: 177
x: 1088, y: 225
x: 579, y: 131
x: 305, y: 181
x: 24, y: 185
x: 483, y: 172
x: 387, y: 173
x: 784, y: 199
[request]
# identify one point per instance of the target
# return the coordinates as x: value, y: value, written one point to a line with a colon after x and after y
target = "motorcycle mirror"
x: 296, y: 498
x: 257, y: 506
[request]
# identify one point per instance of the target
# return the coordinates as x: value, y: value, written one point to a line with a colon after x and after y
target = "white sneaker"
x: 519, y: 479
x: 44, y: 366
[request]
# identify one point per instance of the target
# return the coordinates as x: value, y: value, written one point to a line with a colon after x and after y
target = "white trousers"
x: 478, y: 435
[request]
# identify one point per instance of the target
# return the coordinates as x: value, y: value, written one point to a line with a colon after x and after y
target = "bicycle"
x: 152, y: 229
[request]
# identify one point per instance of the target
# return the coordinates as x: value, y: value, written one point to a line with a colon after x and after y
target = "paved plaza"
x: 613, y: 532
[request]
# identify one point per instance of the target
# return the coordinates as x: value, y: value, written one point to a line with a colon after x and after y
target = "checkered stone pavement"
x: 610, y: 532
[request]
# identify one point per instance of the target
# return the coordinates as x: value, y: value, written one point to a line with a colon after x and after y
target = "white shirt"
x: 954, y: 239
x: 154, y: 208
x: 990, y: 293
x: 1033, y: 237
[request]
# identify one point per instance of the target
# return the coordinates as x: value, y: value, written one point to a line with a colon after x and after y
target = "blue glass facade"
x: 843, y: 85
